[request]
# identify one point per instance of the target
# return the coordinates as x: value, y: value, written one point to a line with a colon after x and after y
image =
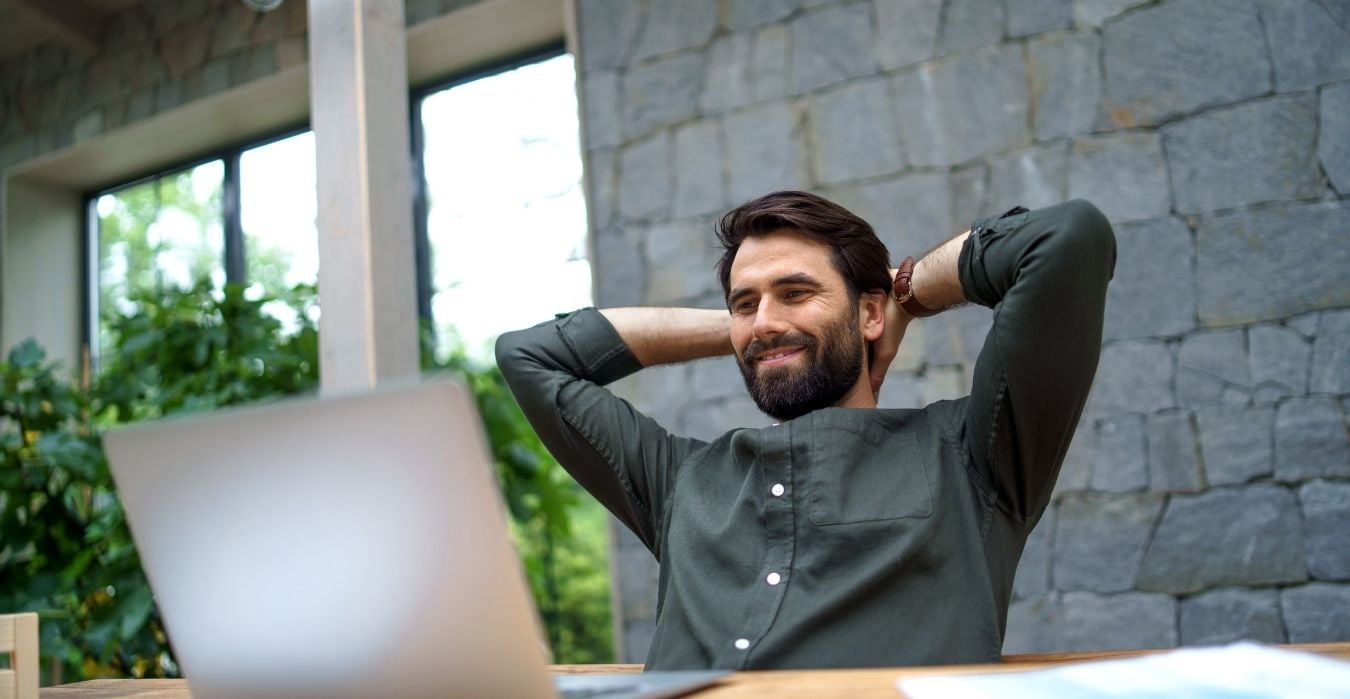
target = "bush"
x: 66, y: 551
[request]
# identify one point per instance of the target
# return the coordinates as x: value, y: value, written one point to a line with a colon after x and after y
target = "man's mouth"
x: 778, y: 357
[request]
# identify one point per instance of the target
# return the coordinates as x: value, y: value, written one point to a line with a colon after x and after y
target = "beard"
x: 832, y: 366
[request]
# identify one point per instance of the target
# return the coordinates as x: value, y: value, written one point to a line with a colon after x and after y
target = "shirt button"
x: 777, y: 490
x: 742, y: 643
x: 774, y: 578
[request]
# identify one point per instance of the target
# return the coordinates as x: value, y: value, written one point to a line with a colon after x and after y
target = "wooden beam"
x: 67, y: 20
x: 359, y: 111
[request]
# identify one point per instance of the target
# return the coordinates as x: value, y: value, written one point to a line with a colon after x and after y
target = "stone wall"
x: 152, y: 57
x: 1207, y: 494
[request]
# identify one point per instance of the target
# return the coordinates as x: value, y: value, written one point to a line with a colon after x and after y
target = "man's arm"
x: 672, y: 335
x: 557, y: 372
x: 1044, y: 273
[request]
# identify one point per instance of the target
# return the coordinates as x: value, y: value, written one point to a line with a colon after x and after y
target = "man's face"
x: 799, y: 336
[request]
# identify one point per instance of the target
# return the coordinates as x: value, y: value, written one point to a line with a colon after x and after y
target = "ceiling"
x: 76, y: 23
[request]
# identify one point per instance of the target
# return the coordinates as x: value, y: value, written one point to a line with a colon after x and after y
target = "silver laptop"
x: 340, y: 547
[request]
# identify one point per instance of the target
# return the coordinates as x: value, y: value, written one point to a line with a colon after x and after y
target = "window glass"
x: 277, y: 209
x: 162, y: 233
x: 506, y: 216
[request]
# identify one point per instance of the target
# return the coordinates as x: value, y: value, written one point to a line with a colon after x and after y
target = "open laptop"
x: 349, y: 546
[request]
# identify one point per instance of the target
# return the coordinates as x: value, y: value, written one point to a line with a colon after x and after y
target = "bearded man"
x: 842, y: 534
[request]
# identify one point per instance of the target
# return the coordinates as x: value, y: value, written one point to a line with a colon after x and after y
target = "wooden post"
x: 359, y: 111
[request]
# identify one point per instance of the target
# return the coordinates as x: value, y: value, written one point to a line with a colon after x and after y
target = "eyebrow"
x: 798, y: 279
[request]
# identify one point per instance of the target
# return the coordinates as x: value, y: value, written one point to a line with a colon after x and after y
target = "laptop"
x: 351, y: 546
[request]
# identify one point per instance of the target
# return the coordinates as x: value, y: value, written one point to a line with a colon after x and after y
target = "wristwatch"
x: 905, y: 296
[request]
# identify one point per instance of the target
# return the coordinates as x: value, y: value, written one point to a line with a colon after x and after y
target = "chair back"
x: 19, y: 639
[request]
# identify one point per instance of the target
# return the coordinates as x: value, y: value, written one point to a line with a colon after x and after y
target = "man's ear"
x: 872, y: 314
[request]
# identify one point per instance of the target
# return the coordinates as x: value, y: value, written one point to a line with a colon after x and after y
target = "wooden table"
x: 827, y: 684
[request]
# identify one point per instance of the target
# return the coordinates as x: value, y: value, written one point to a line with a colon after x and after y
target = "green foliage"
x: 66, y: 549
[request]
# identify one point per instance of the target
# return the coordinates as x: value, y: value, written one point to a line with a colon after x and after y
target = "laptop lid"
x: 350, y: 546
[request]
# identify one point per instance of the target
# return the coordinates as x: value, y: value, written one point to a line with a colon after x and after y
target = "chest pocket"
x: 854, y: 478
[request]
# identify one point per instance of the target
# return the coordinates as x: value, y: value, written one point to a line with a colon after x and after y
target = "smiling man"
x: 842, y: 534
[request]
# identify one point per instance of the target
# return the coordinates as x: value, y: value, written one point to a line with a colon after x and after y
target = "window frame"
x: 234, y: 263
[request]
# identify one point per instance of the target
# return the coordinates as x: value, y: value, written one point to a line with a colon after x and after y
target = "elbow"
x: 508, y: 351
x: 1087, y: 239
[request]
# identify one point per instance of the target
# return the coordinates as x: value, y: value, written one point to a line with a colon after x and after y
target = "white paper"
x: 1238, y: 671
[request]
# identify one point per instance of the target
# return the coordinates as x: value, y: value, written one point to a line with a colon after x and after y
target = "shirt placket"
x: 775, y: 460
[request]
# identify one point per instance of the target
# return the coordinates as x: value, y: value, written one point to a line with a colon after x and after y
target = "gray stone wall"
x: 152, y: 57
x: 1207, y: 494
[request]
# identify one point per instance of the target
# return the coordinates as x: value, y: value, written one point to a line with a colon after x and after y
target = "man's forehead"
x: 785, y: 251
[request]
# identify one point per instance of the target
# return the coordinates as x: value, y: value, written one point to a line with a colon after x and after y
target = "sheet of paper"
x: 1238, y: 671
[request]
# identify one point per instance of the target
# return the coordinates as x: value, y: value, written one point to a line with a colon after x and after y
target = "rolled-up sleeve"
x: 1044, y: 273
x: 557, y: 371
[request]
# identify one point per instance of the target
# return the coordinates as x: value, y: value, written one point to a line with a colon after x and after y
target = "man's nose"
x: 770, y: 320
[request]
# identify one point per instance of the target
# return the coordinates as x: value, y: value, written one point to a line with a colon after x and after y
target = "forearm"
x: 671, y: 335
x: 936, y: 283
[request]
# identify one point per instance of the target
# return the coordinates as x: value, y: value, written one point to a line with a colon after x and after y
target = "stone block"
x: 1174, y: 453
x: 292, y: 51
x: 745, y: 14
x: 935, y: 100
x: 184, y: 50
x: 698, y: 169
x: 1033, y: 570
x: 1157, y: 296
x: 645, y: 178
x: 600, y: 100
x: 1233, y: 614
x: 89, y: 125
x: 1326, y: 527
x: 1182, y: 56
x: 1333, y: 146
x: 1305, y: 325
x: 1026, y: 17
x: 728, y: 83
x: 1121, y: 462
x: 1311, y: 440
x: 1075, y: 473
x: 1237, y: 444
x: 675, y: 26
x: 943, y: 383
x: 230, y: 29
x: 619, y: 255
x: 637, y: 640
x: 716, y: 378
x: 168, y: 95
x: 1307, y: 45
x: 769, y: 62
x: 1310, y: 266
x: 661, y: 92
x: 1123, y: 174
x: 969, y: 24
x: 251, y: 64
x: 1087, y: 621
x: 1100, y: 539
x: 1249, y: 535
x: 1034, y: 177
x: 907, y: 31
x: 901, y: 389
x: 969, y: 195
x: 764, y: 151
x: 831, y: 45
x: 909, y: 213
x: 1316, y: 613
x: 956, y: 337
x: 637, y: 578
x: 607, y: 30
x: 1260, y: 151
x: 1212, y: 367
x: 1279, y: 362
x: 680, y: 259
x: 853, y: 132
x: 1133, y: 376
x: 1331, y: 353
x: 1095, y: 13
x: 602, y: 178
x: 709, y: 420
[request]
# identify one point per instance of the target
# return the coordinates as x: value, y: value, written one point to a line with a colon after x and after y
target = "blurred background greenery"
x: 66, y: 552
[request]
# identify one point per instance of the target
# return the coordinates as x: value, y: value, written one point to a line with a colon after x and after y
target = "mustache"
x: 793, y: 339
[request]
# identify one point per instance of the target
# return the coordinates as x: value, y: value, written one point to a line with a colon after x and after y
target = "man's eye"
x: 745, y: 307
x: 794, y: 294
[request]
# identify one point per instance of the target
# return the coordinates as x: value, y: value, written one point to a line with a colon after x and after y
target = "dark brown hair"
x: 859, y: 256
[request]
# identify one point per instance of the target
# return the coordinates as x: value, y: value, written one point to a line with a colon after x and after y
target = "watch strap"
x: 903, y: 293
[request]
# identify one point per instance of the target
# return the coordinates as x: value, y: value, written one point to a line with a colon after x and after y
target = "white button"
x: 777, y: 490
x: 742, y: 643
x: 774, y: 578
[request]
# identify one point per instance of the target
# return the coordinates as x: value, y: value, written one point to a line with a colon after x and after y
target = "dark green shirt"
x: 845, y: 537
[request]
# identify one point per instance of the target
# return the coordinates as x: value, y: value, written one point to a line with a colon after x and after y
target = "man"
x: 843, y: 534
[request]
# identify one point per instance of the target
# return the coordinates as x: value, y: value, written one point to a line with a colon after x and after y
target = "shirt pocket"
x: 859, y: 473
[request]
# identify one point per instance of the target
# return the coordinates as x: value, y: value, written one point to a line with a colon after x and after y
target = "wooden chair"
x: 19, y: 639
